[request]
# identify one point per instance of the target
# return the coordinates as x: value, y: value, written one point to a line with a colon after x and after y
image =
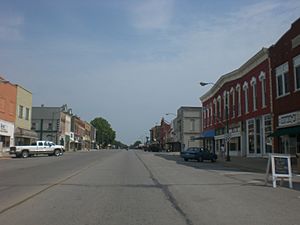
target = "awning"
x: 205, y: 135
x: 24, y: 133
x: 286, y: 131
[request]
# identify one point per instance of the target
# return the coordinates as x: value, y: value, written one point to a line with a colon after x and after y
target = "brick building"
x: 8, y: 96
x: 285, y: 64
x: 237, y: 109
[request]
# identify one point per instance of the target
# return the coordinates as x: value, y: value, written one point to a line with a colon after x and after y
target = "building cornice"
x: 253, y: 62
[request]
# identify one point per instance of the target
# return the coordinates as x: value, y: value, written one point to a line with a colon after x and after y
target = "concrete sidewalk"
x: 258, y: 165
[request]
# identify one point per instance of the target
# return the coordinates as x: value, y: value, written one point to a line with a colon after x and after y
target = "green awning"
x: 286, y: 131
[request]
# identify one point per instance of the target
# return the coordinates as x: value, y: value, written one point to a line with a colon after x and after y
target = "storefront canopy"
x: 205, y: 135
x: 286, y: 131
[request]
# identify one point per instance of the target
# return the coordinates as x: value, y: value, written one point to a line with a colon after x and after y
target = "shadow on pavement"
x: 207, y: 165
x: 225, y: 166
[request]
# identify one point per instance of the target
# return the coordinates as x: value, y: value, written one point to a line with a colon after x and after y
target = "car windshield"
x: 192, y: 150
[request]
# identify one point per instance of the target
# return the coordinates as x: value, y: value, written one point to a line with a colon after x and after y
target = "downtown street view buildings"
x: 21, y: 123
x: 253, y: 110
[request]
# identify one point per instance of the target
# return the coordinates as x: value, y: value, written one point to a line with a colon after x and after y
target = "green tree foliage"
x: 136, y: 144
x: 105, y: 135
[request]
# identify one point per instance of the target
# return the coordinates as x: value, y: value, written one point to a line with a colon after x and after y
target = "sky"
x: 132, y: 61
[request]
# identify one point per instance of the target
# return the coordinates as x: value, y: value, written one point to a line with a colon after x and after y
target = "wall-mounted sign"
x: 6, y: 128
x: 289, y: 119
x: 281, y: 169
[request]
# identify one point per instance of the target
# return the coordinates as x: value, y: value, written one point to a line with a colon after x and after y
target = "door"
x: 254, y: 137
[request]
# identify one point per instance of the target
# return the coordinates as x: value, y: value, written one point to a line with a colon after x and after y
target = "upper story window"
x: 27, y: 112
x: 192, y: 125
x: 297, y: 72
x: 219, y: 107
x: 211, y: 113
x: 239, y: 104
x: 262, y: 78
x: 254, y: 93
x: 282, y: 80
x: 21, y: 109
x: 207, y: 117
x: 232, y: 95
x: 215, y: 109
x: 204, y: 117
x: 225, y: 106
x: 245, y: 88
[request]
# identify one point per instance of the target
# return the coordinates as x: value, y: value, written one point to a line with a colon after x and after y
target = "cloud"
x: 152, y: 14
x: 10, y: 27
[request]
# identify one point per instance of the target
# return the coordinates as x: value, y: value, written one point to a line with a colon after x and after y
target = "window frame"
x: 282, y: 72
x: 246, y: 93
x: 262, y: 79
x: 296, y: 64
x: 254, y: 93
x: 21, y: 112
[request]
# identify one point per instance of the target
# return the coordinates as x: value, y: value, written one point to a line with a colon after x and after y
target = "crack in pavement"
x: 168, y: 194
x: 46, y: 188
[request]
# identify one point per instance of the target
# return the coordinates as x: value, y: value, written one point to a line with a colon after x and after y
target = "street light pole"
x: 227, y: 131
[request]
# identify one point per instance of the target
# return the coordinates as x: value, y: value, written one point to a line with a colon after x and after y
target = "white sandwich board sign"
x: 280, y: 167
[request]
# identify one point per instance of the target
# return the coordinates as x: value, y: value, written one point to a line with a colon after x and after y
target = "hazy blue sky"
x: 132, y: 61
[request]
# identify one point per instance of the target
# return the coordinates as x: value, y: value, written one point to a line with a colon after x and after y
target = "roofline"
x: 255, y: 60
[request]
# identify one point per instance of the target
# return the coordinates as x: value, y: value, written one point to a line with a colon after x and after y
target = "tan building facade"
x: 23, y: 133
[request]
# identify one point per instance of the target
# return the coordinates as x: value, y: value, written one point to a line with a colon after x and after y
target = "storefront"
x: 6, y: 134
x: 288, y: 133
x: 24, y: 136
x: 234, y: 138
x: 258, y: 131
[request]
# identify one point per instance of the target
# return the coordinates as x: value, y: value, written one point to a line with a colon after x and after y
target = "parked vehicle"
x: 39, y: 147
x: 199, y: 154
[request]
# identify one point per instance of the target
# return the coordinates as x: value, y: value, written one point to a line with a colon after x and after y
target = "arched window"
x: 262, y: 78
x: 245, y: 88
x: 239, y: 105
x: 254, y: 93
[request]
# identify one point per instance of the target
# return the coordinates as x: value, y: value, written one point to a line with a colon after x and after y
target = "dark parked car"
x: 198, y: 154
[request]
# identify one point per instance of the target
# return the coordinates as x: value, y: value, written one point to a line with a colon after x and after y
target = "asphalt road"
x: 113, y: 187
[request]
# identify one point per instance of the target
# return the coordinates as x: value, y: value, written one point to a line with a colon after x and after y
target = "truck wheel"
x: 56, y: 152
x: 25, y: 154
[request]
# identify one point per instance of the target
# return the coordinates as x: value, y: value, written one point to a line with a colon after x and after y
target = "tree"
x: 105, y: 135
x: 136, y: 144
x: 119, y: 144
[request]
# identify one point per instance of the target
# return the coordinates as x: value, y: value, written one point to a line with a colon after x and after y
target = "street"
x: 113, y: 187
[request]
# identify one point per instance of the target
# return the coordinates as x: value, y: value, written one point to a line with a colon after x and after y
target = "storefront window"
x: 298, y: 144
x: 258, y: 148
x: 268, y: 131
x: 235, y: 144
x: 251, y: 138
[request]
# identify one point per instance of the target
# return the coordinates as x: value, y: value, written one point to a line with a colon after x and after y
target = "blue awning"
x: 205, y: 134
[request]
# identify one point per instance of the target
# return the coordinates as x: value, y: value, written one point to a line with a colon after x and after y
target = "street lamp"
x: 226, y: 136
x: 168, y: 114
x: 205, y: 83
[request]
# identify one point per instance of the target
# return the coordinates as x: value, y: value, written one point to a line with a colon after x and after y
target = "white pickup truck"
x: 39, y: 147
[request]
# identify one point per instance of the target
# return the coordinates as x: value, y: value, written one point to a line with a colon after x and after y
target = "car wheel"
x: 56, y: 152
x: 186, y: 160
x: 25, y: 154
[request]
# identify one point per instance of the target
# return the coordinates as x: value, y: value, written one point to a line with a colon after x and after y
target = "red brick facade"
x: 283, y: 55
